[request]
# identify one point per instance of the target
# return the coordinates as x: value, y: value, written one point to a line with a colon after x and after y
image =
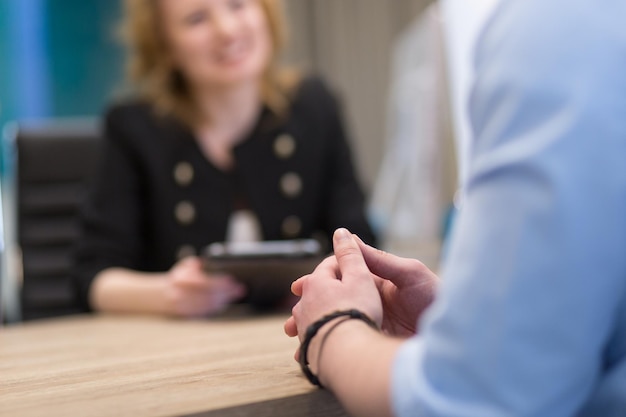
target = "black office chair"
x: 54, y: 161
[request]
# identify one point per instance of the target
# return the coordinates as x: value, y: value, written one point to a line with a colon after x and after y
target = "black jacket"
x: 156, y: 196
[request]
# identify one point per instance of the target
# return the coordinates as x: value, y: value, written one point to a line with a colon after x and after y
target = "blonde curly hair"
x: 155, y: 78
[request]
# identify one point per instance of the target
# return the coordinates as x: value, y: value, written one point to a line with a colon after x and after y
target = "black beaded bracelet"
x: 312, y: 330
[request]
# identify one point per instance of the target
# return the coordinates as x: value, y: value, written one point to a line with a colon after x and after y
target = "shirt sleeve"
x: 534, y: 281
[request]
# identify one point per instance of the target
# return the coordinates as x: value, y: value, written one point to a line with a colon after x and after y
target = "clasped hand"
x: 393, y: 291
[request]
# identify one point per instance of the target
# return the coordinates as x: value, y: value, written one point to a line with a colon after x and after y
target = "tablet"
x: 266, y: 268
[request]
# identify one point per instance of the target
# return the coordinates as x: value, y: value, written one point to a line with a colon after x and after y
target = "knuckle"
x: 349, y: 251
x: 415, y: 265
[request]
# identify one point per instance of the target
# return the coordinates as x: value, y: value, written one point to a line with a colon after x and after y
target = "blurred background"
x: 59, y: 57
x: 60, y: 60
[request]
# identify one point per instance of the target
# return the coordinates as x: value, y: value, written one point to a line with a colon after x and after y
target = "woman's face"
x: 217, y: 43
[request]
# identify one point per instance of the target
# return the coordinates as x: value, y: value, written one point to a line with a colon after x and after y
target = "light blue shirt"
x: 530, y: 319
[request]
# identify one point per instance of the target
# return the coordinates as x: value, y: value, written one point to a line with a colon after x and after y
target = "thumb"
x: 349, y: 257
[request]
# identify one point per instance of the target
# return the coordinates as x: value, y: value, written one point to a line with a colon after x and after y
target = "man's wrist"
x: 318, y: 342
x: 317, y: 336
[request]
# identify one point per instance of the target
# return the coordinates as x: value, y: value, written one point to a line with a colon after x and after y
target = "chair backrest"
x: 54, y: 163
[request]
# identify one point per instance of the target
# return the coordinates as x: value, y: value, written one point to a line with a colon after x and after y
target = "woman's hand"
x: 191, y: 292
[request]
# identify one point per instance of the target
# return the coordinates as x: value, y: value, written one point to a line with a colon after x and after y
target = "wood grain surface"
x: 144, y: 366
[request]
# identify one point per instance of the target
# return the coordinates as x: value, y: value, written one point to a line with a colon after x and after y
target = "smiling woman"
x: 218, y: 143
x: 210, y: 42
x: 217, y: 43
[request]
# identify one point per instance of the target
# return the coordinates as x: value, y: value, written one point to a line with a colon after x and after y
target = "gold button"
x: 185, y: 212
x: 291, y: 184
x: 291, y: 226
x: 185, y: 251
x: 284, y: 146
x: 183, y: 173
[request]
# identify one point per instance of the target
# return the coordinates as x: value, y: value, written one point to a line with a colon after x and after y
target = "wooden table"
x: 144, y: 366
